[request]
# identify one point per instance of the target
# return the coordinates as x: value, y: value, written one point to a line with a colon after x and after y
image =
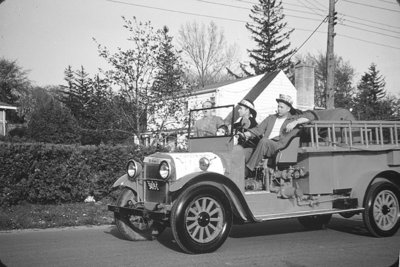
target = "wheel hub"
x: 385, y: 210
x: 203, y: 219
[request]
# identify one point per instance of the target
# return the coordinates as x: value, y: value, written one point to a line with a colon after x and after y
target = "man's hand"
x: 291, y: 125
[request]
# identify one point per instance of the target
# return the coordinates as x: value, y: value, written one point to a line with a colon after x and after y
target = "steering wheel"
x: 251, y: 142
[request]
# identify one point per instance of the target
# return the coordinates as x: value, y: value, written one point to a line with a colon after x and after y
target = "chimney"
x: 304, y: 83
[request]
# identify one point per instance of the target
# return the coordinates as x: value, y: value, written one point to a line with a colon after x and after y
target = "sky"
x: 46, y: 36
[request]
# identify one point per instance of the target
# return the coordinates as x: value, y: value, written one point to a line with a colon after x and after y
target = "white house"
x: 262, y: 89
x: 3, y: 121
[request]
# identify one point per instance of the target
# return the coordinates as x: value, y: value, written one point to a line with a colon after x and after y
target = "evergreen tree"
x: 78, y: 95
x: 169, y: 87
x: 272, y: 50
x: 50, y: 121
x: 371, y: 101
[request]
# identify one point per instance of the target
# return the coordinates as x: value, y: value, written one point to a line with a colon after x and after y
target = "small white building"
x: 263, y: 89
x: 3, y: 121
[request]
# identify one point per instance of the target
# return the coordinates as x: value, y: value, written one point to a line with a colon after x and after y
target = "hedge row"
x: 48, y: 174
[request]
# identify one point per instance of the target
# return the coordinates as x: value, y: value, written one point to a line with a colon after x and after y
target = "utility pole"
x: 330, y: 58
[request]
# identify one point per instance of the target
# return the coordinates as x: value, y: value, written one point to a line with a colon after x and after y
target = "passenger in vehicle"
x: 222, y: 130
x: 208, y: 125
x: 247, y: 116
x: 276, y: 131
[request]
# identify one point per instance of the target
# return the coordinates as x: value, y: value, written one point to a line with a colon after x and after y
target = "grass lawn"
x: 27, y: 216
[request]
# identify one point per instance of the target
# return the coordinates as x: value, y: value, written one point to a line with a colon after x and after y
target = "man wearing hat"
x: 276, y: 130
x: 247, y: 115
x: 208, y: 125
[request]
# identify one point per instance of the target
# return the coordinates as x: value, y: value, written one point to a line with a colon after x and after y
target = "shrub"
x: 51, y: 174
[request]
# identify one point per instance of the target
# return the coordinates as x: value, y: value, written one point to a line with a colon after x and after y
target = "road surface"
x: 276, y: 243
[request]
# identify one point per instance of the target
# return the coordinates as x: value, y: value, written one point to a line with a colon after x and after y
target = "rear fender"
x: 232, y: 192
x: 361, y: 186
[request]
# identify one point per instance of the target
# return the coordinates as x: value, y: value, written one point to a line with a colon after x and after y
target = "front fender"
x: 235, y: 196
x: 125, y: 182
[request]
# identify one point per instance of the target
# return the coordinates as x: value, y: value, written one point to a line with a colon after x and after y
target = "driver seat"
x: 288, y: 154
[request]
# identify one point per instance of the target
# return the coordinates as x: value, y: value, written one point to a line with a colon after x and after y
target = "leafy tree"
x: 371, y: 101
x: 13, y: 81
x: 272, y: 50
x: 207, y: 52
x: 344, y: 75
x: 169, y: 85
x: 133, y: 74
x: 50, y: 121
x: 14, y: 84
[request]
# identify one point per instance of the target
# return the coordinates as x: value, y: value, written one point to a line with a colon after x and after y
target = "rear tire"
x: 201, y: 219
x: 135, y: 228
x: 382, y: 215
x: 315, y: 222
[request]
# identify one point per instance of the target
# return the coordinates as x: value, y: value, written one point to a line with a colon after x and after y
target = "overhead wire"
x: 361, y: 29
x: 365, y: 41
x: 367, y: 5
x: 242, y: 21
x: 289, y: 9
x: 313, y: 6
x: 297, y: 49
x: 390, y: 2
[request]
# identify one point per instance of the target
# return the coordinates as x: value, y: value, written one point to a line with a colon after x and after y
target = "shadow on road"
x: 166, y: 238
x: 350, y: 226
x: 353, y: 226
x: 266, y: 228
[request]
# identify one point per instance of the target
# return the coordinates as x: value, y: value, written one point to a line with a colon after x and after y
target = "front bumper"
x: 159, y: 215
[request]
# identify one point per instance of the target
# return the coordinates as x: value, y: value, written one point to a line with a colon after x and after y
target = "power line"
x: 383, y: 24
x: 377, y: 7
x: 361, y: 29
x: 240, y: 7
x: 362, y: 40
x: 321, y: 5
x: 371, y: 26
x: 313, y: 6
x: 390, y: 2
x: 176, y: 11
x: 241, y: 21
x: 324, y: 20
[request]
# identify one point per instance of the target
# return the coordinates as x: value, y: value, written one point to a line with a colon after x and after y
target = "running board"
x: 269, y: 217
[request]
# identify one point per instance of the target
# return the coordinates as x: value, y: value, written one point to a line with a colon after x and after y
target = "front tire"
x: 201, y: 219
x: 135, y: 228
x: 382, y: 215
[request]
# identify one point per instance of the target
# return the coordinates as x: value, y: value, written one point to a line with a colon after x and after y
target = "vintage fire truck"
x: 330, y: 167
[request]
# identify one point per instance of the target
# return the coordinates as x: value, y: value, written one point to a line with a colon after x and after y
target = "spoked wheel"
x: 315, y: 222
x: 201, y: 219
x: 135, y: 228
x: 382, y: 215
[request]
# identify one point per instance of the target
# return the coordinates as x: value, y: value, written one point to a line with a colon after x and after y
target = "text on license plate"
x: 152, y: 185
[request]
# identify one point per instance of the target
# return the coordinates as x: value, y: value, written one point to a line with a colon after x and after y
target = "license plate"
x: 152, y: 185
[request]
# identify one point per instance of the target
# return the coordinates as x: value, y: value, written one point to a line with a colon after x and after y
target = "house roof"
x: 6, y: 106
x: 215, y: 86
x: 252, y: 94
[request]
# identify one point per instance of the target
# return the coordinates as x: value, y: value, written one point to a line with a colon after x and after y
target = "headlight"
x: 165, y: 170
x: 133, y: 169
x: 204, y: 163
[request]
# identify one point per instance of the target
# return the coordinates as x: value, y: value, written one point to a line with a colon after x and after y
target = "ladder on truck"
x: 353, y: 134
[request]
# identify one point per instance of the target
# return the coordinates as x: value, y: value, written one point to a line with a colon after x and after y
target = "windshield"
x: 211, y: 122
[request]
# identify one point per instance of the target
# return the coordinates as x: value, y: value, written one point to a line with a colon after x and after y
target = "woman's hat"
x: 287, y: 99
x: 249, y: 104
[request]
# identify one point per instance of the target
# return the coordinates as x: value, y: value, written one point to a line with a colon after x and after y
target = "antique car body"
x: 345, y: 167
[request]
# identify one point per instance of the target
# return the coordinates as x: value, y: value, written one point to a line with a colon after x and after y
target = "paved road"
x: 278, y: 243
